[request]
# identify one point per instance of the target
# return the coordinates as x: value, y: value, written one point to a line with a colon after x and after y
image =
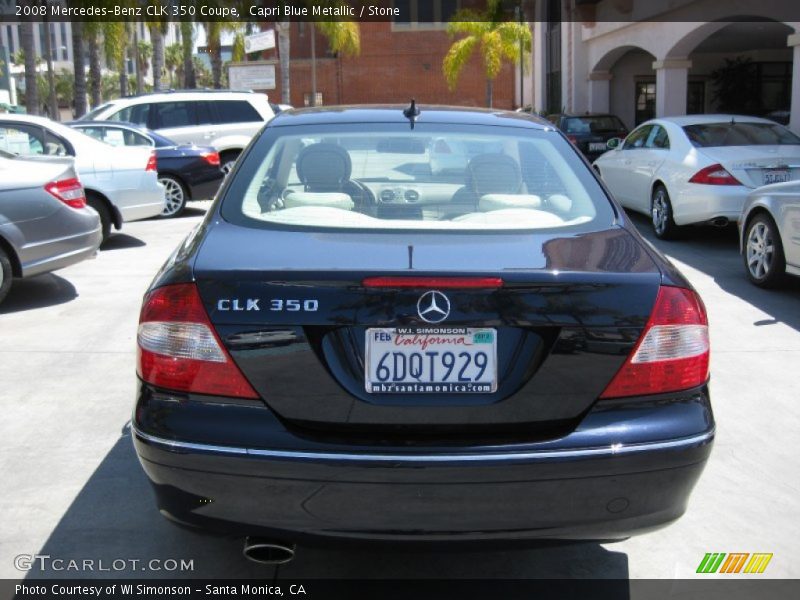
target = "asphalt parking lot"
x: 72, y: 487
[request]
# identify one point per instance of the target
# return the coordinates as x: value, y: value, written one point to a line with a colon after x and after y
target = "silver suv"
x: 224, y: 119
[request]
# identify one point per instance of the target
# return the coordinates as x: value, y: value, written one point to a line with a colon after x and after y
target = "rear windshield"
x: 369, y: 177
x: 593, y: 124
x: 710, y: 135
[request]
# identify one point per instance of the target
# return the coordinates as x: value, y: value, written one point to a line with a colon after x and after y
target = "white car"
x: 697, y: 169
x: 121, y: 183
x: 224, y: 119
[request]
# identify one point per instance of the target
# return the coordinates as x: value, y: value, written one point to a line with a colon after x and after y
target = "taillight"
x: 178, y: 348
x: 572, y: 139
x: 152, y: 164
x: 673, y: 352
x: 211, y: 158
x: 433, y: 282
x: 714, y: 175
x: 69, y: 191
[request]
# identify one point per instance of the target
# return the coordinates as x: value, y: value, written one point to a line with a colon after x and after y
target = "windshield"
x: 386, y: 177
x: 593, y: 124
x: 710, y: 135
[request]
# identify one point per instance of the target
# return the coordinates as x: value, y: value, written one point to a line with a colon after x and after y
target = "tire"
x: 6, y: 274
x: 227, y: 160
x: 661, y: 215
x: 764, y: 261
x: 176, y: 196
x: 105, y: 216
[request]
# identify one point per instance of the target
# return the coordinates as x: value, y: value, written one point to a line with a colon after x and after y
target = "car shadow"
x: 121, y: 241
x: 715, y: 252
x: 38, y: 292
x: 114, y: 518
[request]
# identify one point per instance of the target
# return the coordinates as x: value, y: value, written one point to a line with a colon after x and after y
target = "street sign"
x: 264, y: 40
x: 251, y: 76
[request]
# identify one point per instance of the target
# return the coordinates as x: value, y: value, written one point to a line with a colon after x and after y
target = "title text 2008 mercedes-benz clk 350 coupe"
x: 354, y: 346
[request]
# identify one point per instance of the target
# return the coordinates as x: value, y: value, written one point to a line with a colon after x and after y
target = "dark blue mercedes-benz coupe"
x: 353, y: 346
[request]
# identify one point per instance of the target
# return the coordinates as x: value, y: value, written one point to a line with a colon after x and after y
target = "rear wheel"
x: 763, y: 252
x: 102, y: 209
x: 5, y: 274
x: 175, y: 195
x: 228, y: 160
x: 661, y: 214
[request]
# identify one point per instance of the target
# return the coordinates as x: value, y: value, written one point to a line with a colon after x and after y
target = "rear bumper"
x: 697, y: 204
x: 142, y: 203
x: 205, y: 186
x: 603, y: 481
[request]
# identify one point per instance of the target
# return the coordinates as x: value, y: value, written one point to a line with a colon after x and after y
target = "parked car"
x: 771, y: 218
x: 121, y: 183
x: 697, y: 169
x: 186, y: 171
x: 224, y: 119
x: 590, y: 133
x: 278, y: 108
x: 44, y: 220
x: 317, y: 361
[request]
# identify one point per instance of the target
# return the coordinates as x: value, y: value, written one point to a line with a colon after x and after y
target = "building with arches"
x: 642, y: 59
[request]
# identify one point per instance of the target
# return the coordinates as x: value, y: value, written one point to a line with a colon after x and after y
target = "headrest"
x: 493, y: 174
x: 323, y: 165
x: 329, y: 200
x: 489, y: 202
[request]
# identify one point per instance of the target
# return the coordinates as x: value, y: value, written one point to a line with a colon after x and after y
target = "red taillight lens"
x: 714, y: 175
x: 211, y: 158
x: 572, y: 139
x: 433, y: 282
x: 673, y: 351
x: 69, y: 191
x: 152, y: 163
x: 178, y: 348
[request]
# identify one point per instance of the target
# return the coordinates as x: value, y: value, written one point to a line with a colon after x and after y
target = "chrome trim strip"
x: 613, y: 450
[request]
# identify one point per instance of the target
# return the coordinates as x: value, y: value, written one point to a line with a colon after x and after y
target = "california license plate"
x: 775, y: 176
x: 597, y: 147
x: 445, y: 360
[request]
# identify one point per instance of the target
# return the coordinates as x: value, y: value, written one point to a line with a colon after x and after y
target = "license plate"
x: 597, y: 147
x: 775, y: 177
x: 448, y: 360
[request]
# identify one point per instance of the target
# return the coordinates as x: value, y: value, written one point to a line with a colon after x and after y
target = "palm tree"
x: 144, y: 52
x: 187, y: 45
x: 173, y: 58
x: 157, y: 32
x: 29, y: 55
x: 79, y: 69
x: 344, y: 37
x: 497, y: 39
x: 91, y: 32
x: 115, y: 48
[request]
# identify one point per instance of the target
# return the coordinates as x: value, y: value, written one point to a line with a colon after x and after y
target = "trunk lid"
x: 293, y: 313
x: 755, y: 166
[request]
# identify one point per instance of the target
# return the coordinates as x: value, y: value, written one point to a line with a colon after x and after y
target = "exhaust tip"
x: 267, y: 552
x: 720, y: 222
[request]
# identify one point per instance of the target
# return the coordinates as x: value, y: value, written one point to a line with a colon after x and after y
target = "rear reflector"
x: 714, y: 175
x: 673, y: 352
x: 152, y: 164
x: 211, y: 158
x: 69, y: 191
x: 433, y: 282
x: 178, y: 348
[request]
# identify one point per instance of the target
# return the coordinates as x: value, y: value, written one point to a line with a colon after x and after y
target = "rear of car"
x: 353, y: 345
x: 45, y: 223
x: 590, y: 133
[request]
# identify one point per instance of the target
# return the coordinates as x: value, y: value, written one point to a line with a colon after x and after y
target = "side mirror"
x: 614, y: 143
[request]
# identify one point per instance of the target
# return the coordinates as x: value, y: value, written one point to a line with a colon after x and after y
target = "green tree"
x: 173, y: 60
x: 29, y: 59
x: 143, y: 55
x: 92, y: 31
x: 497, y: 39
x: 344, y: 37
x: 79, y: 69
x: 115, y: 36
x: 187, y: 46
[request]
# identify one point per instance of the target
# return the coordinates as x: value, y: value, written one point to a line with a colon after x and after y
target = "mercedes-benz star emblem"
x: 433, y: 307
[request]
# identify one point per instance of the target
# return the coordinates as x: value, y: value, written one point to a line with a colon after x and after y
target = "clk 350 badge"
x: 275, y: 305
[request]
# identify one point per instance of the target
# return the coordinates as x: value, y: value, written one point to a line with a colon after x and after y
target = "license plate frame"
x: 430, y: 344
x: 776, y: 176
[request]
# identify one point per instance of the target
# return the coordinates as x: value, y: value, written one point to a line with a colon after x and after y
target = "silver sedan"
x: 45, y: 223
x: 769, y: 232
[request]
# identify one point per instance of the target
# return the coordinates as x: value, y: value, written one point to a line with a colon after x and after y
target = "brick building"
x: 398, y: 61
